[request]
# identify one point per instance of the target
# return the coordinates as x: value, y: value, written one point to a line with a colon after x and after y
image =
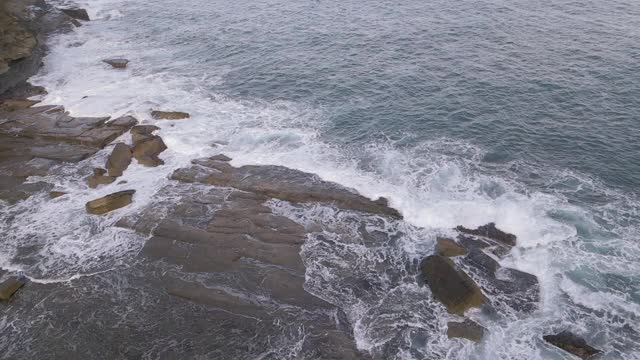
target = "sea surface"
x: 522, y: 113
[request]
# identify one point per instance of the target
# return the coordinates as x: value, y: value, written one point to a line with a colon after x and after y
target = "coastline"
x: 227, y: 247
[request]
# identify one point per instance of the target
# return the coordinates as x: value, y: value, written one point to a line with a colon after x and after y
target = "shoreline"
x: 249, y: 224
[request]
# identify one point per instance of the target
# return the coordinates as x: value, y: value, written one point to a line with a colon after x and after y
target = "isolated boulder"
x: 117, y: 63
x: 467, y: 329
x: 492, y: 232
x: 119, y: 160
x: 77, y: 13
x: 451, y: 286
x: 572, y: 343
x: 110, y: 202
x: 169, y: 115
x: 147, y: 151
x: 449, y: 248
x: 10, y: 286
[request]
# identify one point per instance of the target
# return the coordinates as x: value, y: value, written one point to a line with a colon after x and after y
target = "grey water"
x: 526, y: 113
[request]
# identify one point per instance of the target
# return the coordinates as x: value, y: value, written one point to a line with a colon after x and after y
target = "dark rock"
x: 117, y: 63
x: 147, y: 151
x: 492, y: 232
x: 572, y: 343
x: 77, y: 13
x: 451, y: 286
x: 449, y: 248
x: 119, y: 160
x: 9, y: 287
x: 169, y: 115
x: 110, y: 202
x: 468, y: 330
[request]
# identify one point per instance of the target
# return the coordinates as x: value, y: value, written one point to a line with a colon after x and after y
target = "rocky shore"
x: 219, y: 259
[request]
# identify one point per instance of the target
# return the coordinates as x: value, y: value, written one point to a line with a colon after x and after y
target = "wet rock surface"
x: 491, y: 232
x: 117, y: 63
x: 449, y: 248
x: 34, y: 140
x: 573, y: 344
x: 230, y: 251
x: 169, y: 115
x: 110, y: 202
x: 451, y: 286
x: 24, y: 27
x: 9, y: 287
x: 467, y: 329
x: 77, y: 13
x: 281, y: 183
x: 119, y: 160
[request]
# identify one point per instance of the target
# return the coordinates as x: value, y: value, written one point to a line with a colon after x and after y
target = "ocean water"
x: 524, y: 113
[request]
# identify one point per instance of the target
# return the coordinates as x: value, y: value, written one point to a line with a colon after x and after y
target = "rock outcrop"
x: 226, y: 234
x: 24, y: 26
x: 508, y: 287
x: 110, y: 202
x: 451, y: 286
x: 572, y: 343
x: 36, y: 139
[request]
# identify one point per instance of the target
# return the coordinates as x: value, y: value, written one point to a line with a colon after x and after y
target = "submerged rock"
x: 467, y: 329
x: 110, y: 202
x: 572, y: 343
x: 451, y: 286
x: 117, y: 63
x: 77, y: 13
x: 449, y: 248
x: 119, y: 160
x: 492, y: 232
x: 169, y: 115
x: 9, y: 287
